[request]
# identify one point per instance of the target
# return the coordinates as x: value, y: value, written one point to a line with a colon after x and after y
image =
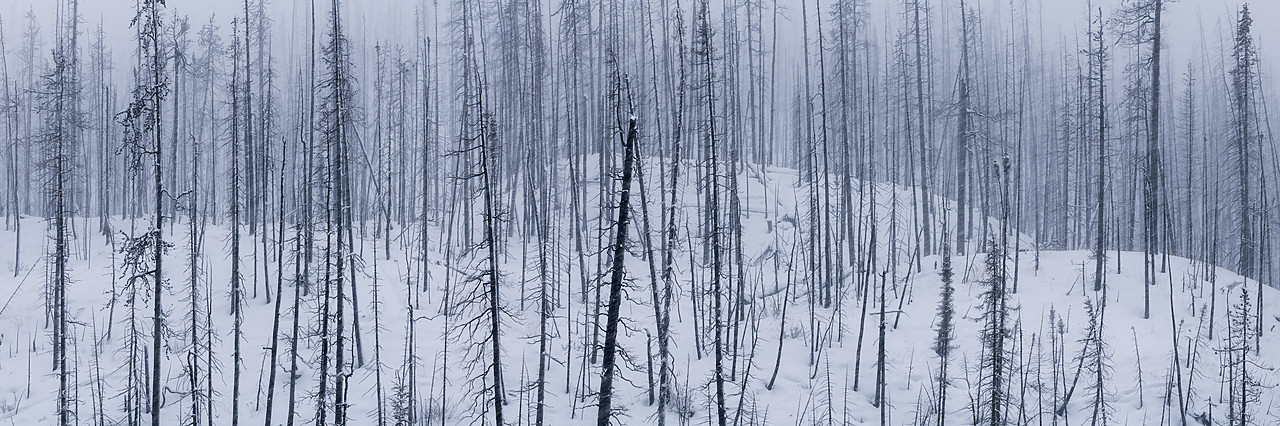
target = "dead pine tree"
x: 942, y: 343
x: 60, y: 109
x: 195, y: 235
x: 1095, y: 354
x: 964, y: 133
x: 303, y: 235
x: 237, y: 293
x: 616, y: 276
x: 337, y: 120
x: 1244, y: 389
x: 275, y: 318
x: 703, y: 56
x: 1097, y: 58
x: 924, y: 125
x: 143, y: 139
x: 1254, y: 244
x: 995, y: 365
x: 481, y: 299
x: 1243, y: 116
x: 1153, y: 178
x: 669, y: 232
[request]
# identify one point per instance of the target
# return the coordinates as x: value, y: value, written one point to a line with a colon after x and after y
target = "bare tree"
x: 616, y: 274
x: 60, y: 98
x: 142, y: 124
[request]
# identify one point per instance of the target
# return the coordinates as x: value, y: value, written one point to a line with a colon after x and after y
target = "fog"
x: 578, y: 212
x: 1192, y: 25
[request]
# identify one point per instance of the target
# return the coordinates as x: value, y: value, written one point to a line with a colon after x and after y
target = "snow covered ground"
x: 812, y: 386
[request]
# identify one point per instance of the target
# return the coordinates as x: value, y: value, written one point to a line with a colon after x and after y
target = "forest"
x: 572, y: 212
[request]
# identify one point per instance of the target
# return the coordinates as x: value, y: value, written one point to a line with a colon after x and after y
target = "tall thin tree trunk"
x: 608, y: 366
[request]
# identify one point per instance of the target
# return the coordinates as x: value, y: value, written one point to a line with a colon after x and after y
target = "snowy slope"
x: 812, y: 387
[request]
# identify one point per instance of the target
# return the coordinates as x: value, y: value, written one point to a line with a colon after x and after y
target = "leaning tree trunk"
x: 615, y: 282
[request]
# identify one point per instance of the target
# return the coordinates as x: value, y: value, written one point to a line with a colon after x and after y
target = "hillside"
x: 820, y: 377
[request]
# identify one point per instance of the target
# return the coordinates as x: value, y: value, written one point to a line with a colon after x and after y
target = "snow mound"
x: 826, y: 361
